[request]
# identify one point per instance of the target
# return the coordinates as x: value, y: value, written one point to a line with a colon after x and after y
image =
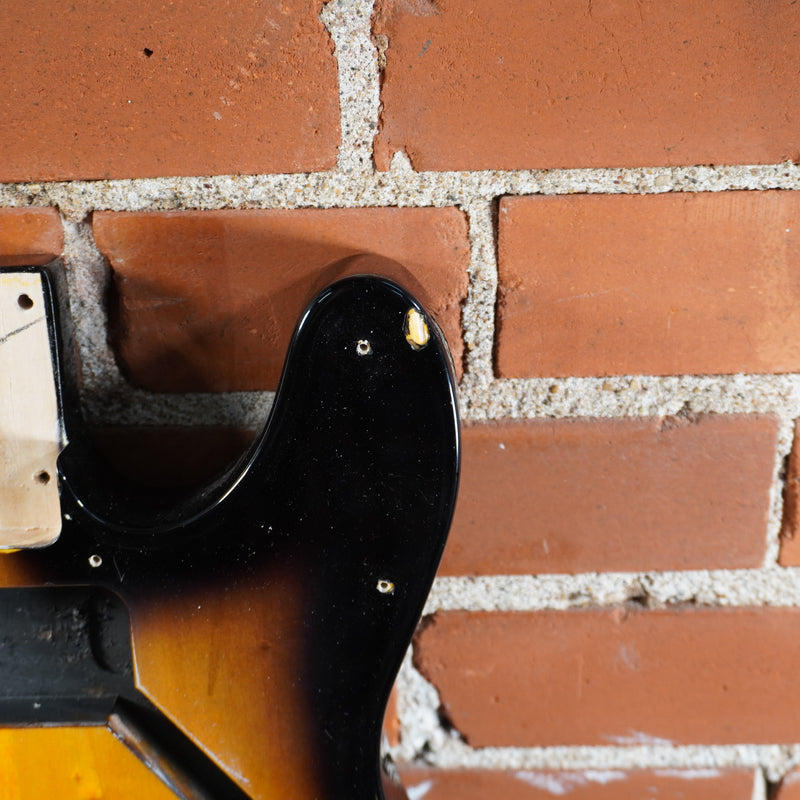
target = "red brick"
x: 391, y: 720
x: 597, y: 784
x: 687, y: 675
x: 789, y: 787
x: 207, y: 301
x: 613, y: 495
x: 658, y: 284
x: 249, y: 87
x: 790, y: 529
x: 29, y: 236
x: 566, y: 83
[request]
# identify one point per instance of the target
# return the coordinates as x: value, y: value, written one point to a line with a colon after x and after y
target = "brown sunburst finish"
x: 72, y: 764
x: 269, y: 626
x: 225, y: 665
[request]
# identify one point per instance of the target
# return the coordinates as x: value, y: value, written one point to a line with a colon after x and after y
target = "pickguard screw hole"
x: 24, y: 302
x: 95, y: 560
x: 363, y: 347
x: 385, y: 587
x: 42, y: 477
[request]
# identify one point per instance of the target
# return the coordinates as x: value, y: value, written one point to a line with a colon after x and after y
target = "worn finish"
x: 121, y: 89
x: 67, y: 660
x: 30, y: 236
x: 604, y: 784
x: 257, y: 620
x: 620, y: 676
x: 205, y: 301
x: 521, y: 85
x: 656, y: 285
x: 567, y: 496
x: 30, y: 430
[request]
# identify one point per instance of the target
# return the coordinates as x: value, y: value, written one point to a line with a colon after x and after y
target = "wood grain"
x: 30, y: 512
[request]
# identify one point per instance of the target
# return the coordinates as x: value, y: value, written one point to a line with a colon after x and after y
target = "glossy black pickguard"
x: 352, y: 481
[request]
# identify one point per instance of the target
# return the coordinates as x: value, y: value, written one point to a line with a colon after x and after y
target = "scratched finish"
x: 30, y: 513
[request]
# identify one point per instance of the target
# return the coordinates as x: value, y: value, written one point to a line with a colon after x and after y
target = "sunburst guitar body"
x: 239, y: 641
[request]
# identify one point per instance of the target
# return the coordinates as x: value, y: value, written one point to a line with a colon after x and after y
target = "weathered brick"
x: 565, y: 83
x: 567, y: 496
x: 207, y: 301
x: 129, y: 89
x: 29, y: 236
x: 790, y: 529
x: 657, y: 284
x: 688, y: 675
x: 597, y: 784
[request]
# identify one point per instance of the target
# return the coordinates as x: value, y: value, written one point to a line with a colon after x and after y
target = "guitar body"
x: 241, y: 640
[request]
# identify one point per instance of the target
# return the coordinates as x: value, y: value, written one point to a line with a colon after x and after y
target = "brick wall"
x: 601, y: 200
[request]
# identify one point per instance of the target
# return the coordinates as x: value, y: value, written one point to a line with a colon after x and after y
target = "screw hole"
x: 43, y: 477
x: 385, y: 587
x: 148, y: 52
x: 95, y: 561
x: 363, y: 348
x: 24, y: 302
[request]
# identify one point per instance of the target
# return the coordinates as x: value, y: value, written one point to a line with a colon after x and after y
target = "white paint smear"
x: 419, y: 791
x: 638, y: 737
x: 688, y: 774
x: 561, y: 783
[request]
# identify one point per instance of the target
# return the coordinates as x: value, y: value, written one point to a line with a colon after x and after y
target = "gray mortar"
x: 770, y: 586
x: 400, y: 186
x: 109, y: 398
x: 349, y: 24
x: 88, y: 277
x: 477, y: 316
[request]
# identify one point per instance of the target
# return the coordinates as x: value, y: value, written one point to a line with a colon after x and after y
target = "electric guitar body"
x: 241, y: 640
